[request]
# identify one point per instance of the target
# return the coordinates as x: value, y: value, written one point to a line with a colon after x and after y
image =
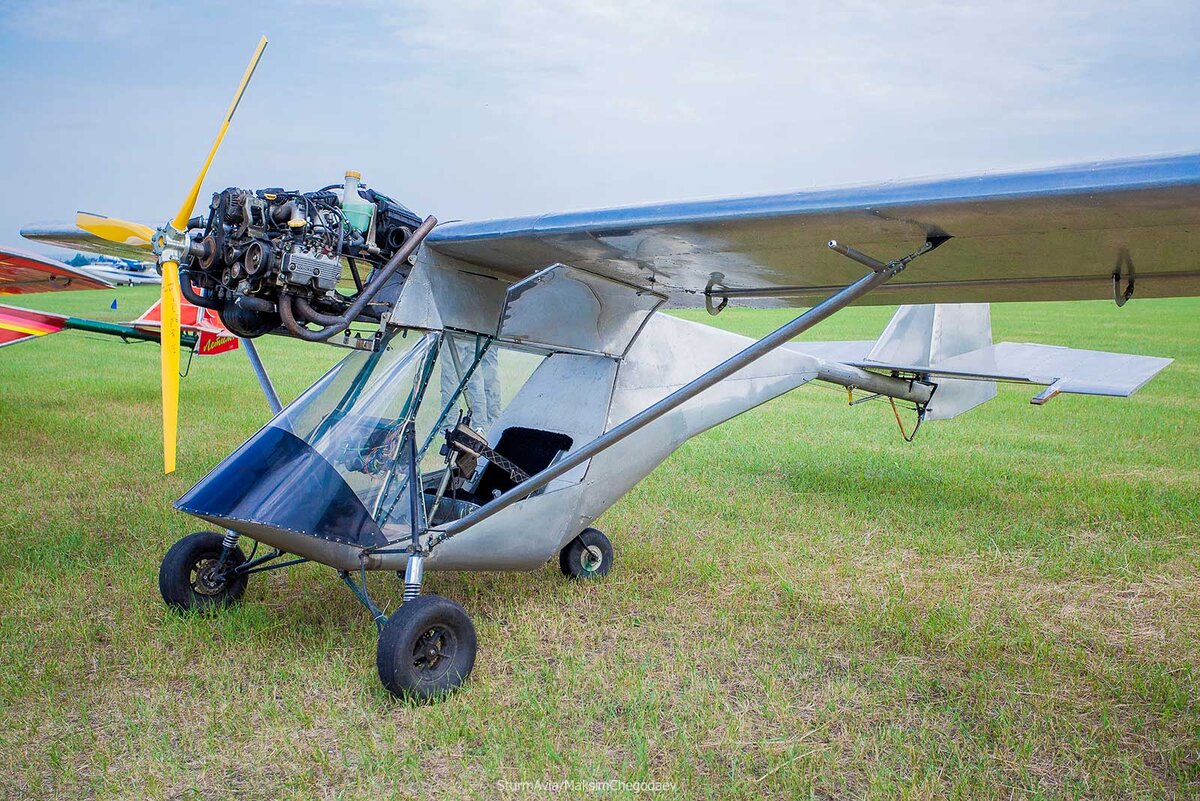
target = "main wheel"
x: 426, y: 649
x: 588, y: 556
x: 191, y: 577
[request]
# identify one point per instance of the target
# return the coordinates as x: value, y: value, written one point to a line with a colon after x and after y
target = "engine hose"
x: 185, y: 287
x: 254, y: 304
x: 297, y: 329
x: 305, y: 313
x: 332, y: 325
x: 310, y: 315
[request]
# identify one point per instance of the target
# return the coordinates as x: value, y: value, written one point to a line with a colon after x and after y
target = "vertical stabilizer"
x: 925, y: 335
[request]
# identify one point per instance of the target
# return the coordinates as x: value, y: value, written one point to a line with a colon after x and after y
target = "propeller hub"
x: 170, y: 244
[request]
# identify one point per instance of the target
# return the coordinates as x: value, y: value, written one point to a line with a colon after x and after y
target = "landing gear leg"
x: 360, y: 592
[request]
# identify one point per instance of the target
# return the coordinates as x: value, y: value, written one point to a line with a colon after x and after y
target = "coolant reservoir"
x: 357, y: 211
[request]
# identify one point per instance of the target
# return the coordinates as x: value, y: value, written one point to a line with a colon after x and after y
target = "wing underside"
x: 19, y: 325
x: 23, y: 273
x: 1057, y: 234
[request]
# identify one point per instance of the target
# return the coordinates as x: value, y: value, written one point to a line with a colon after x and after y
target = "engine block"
x: 272, y: 259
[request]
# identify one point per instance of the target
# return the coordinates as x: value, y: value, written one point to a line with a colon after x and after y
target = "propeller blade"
x: 122, y: 232
x: 169, y: 356
x: 189, y: 203
x: 169, y: 341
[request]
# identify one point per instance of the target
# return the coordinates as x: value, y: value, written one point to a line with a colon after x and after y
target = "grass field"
x: 802, y: 606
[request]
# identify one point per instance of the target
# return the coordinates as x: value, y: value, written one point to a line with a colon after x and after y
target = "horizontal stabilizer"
x: 1083, y: 372
x: 915, y: 343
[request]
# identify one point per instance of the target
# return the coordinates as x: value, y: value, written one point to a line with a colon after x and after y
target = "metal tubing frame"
x: 260, y: 372
x: 408, y: 413
x: 416, y: 519
x: 847, y: 375
x: 482, y: 344
x: 360, y: 592
x: 880, y: 274
x: 299, y: 560
x: 260, y: 565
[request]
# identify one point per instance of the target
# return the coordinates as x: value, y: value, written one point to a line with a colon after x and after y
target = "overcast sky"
x: 473, y: 110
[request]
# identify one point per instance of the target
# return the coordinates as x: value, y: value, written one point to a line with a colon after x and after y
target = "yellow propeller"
x: 171, y: 243
x: 114, y: 230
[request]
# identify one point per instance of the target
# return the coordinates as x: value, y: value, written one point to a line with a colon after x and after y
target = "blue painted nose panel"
x: 277, y: 479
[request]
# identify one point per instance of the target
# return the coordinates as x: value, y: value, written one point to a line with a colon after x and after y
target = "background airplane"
x: 115, y: 270
x: 24, y: 273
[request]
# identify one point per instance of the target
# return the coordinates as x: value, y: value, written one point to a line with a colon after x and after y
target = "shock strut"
x: 414, y: 571
x: 227, y: 545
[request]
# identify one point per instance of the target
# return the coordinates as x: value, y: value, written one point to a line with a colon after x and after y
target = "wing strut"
x: 880, y: 273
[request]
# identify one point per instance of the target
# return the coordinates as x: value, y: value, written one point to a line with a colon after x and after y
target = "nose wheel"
x: 588, y: 556
x: 193, y: 574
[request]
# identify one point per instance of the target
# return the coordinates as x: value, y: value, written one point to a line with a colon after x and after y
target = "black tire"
x: 588, y: 556
x: 185, y: 576
x: 426, y: 649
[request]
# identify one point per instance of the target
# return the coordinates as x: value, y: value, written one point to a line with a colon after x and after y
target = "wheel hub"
x: 433, y: 652
x: 207, y: 578
x: 591, y: 558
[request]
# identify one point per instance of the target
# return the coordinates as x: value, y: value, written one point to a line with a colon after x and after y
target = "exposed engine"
x: 274, y: 257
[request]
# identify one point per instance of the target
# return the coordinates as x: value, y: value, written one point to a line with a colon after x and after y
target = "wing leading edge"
x: 1052, y: 234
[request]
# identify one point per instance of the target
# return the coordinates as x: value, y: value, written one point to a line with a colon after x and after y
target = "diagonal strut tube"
x: 880, y: 273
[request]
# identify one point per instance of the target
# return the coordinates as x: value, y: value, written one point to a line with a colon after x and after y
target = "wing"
x: 18, y: 325
x: 1053, y: 234
x: 22, y: 273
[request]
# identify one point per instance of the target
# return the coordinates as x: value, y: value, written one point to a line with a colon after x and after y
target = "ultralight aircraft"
x: 519, y: 376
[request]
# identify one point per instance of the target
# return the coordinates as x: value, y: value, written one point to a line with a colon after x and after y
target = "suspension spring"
x: 414, y: 573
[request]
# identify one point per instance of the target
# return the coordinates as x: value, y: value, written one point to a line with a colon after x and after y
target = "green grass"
x: 802, y: 606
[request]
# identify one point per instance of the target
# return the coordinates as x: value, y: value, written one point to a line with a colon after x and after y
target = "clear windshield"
x: 357, y: 415
x: 336, y: 462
